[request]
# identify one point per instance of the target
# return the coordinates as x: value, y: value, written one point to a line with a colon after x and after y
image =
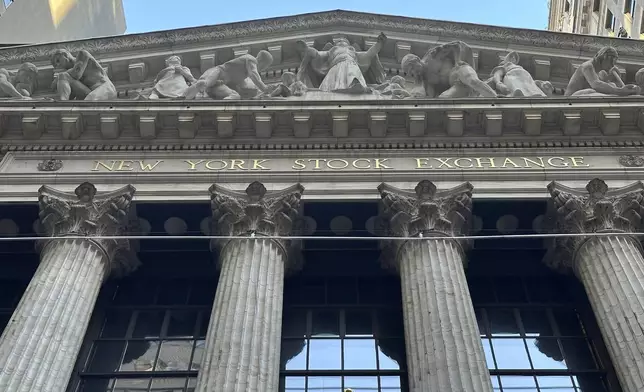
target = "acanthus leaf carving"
x: 87, y: 213
x: 424, y: 212
x: 598, y: 210
x: 255, y: 212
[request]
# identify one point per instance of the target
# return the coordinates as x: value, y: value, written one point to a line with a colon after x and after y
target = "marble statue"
x: 446, y: 71
x: 82, y: 78
x: 235, y: 79
x: 289, y: 87
x: 511, y: 79
x: 394, y: 88
x: 340, y: 67
x: 20, y: 84
x: 173, y: 80
x: 599, y: 77
x: 639, y: 78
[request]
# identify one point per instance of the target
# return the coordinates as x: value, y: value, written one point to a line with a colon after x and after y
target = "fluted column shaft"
x: 444, y: 351
x: 38, y: 348
x: 612, y: 271
x: 243, y: 341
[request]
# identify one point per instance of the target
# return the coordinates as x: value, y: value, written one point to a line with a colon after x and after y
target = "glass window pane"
x: 555, y: 383
x: 545, y: 354
x: 293, y: 354
x: 197, y: 357
x: 503, y: 322
x: 496, y: 384
x: 509, y: 290
x: 96, y: 385
x: 182, y: 323
x: 568, y: 322
x: 358, y: 323
x: 361, y: 384
x: 175, y: 355
x: 510, y: 354
x: 590, y: 383
x: 359, y: 354
x: 203, y: 325
x: 325, y: 384
x: 391, y: 354
x: 148, y: 324
x: 173, y: 293
x: 135, y: 293
x: 390, y: 383
x: 536, y: 322
x: 480, y: 290
x: 168, y: 384
x: 324, y: 354
x: 294, y: 384
x: 105, y: 357
x: 325, y: 323
x: 309, y: 292
x: 342, y: 291
x: 578, y: 354
x: 480, y: 322
x: 390, y: 323
x: 202, y: 293
x: 294, y: 323
x: 131, y: 384
x: 140, y: 356
x: 116, y: 323
x: 518, y: 384
x: 487, y: 349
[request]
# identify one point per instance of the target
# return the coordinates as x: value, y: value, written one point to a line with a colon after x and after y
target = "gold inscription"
x: 343, y: 164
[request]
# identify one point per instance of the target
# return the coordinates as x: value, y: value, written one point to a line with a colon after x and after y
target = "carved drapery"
x: 243, y: 342
x: 40, y: 345
x: 611, y: 267
x: 444, y: 351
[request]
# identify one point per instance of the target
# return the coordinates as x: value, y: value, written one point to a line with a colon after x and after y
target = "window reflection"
x: 325, y: 323
x: 140, y: 356
x: 325, y: 354
x: 510, y: 354
x: 361, y: 384
x: 359, y: 354
x: 545, y: 359
x: 294, y: 354
x: 325, y: 384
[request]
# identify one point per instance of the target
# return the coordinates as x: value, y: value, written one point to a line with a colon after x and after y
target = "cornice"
x: 337, y: 18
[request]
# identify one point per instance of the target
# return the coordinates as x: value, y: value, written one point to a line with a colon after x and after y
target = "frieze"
x: 308, y: 22
x: 631, y: 161
x: 50, y: 165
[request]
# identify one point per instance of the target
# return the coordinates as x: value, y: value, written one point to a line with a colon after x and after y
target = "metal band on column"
x: 611, y: 267
x: 38, y: 348
x: 444, y: 351
x: 242, y: 350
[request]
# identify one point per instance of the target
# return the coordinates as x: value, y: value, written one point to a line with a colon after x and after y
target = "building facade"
x: 611, y: 18
x: 323, y: 202
x: 59, y: 20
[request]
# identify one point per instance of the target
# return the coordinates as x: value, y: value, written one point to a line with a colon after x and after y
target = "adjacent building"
x: 59, y: 20
x: 612, y: 18
x: 323, y: 202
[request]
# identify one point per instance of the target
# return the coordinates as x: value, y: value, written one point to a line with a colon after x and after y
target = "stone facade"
x: 321, y: 102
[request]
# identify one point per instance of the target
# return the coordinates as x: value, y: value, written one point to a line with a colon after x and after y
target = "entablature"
x: 298, y: 124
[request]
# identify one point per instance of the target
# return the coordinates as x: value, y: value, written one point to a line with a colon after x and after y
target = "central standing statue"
x: 340, y: 68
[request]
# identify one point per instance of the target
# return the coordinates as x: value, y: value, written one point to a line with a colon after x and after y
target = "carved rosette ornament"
x: 86, y: 213
x: 424, y: 212
x: 598, y: 210
x: 631, y: 161
x: 438, y: 314
x: 611, y: 267
x: 242, y: 354
x: 50, y: 165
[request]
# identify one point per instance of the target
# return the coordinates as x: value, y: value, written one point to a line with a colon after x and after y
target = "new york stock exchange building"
x: 326, y: 202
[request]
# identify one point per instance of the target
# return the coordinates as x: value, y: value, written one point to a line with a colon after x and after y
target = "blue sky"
x: 152, y: 15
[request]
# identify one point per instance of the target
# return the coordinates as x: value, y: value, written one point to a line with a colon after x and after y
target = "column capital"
x: 255, y: 211
x: 595, y: 210
x: 426, y: 211
x: 85, y: 212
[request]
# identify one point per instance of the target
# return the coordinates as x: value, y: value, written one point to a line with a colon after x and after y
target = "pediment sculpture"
x: 340, y: 70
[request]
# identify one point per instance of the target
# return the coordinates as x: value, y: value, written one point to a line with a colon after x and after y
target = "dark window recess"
x: 610, y: 21
x: 150, y: 338
x: 343, y: 333
x: 597, y: 5
x: 534, y: 338
x: 567, y: 6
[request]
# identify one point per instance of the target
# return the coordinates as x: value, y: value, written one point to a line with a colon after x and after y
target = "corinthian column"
x: 610, y: 267
x: 39, y: 347
x: 444, y: 351
x: 242, y: 351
